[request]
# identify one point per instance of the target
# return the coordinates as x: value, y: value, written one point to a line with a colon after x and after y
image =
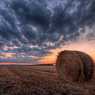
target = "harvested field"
x: 38, y: 80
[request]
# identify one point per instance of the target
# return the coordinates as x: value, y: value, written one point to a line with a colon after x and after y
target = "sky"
x: 35, y: 31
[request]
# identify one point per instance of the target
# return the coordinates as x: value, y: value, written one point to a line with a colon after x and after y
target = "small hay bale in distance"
x: 74, y: 66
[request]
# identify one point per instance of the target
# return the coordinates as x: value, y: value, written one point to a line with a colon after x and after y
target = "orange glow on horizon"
x: 84, y: 46
x: 7, y: 55
x: 6, y: 63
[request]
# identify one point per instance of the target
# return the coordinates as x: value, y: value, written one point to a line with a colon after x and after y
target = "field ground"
x: 38, y: 80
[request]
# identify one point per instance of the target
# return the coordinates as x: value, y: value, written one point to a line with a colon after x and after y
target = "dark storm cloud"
x: 36, y: 51
x: 44, y: 23
x: 76, y: 14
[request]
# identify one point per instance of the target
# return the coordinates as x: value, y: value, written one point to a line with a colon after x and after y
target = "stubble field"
x: 38, y: 80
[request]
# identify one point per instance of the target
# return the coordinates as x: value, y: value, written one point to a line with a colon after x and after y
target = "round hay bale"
x: 74, y: 66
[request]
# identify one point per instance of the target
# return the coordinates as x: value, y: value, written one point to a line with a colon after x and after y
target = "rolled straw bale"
x: 74, y: 66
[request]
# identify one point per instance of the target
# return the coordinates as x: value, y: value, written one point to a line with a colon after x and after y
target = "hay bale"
x: 74, y: 66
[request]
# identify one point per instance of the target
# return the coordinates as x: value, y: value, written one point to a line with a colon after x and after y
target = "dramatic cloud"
x: 34, y: 27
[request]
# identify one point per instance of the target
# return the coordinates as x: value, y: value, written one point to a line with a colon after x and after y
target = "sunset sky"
x: 35, y: 31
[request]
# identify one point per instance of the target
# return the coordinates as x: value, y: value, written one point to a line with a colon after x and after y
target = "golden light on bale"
x: 74, y: 66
